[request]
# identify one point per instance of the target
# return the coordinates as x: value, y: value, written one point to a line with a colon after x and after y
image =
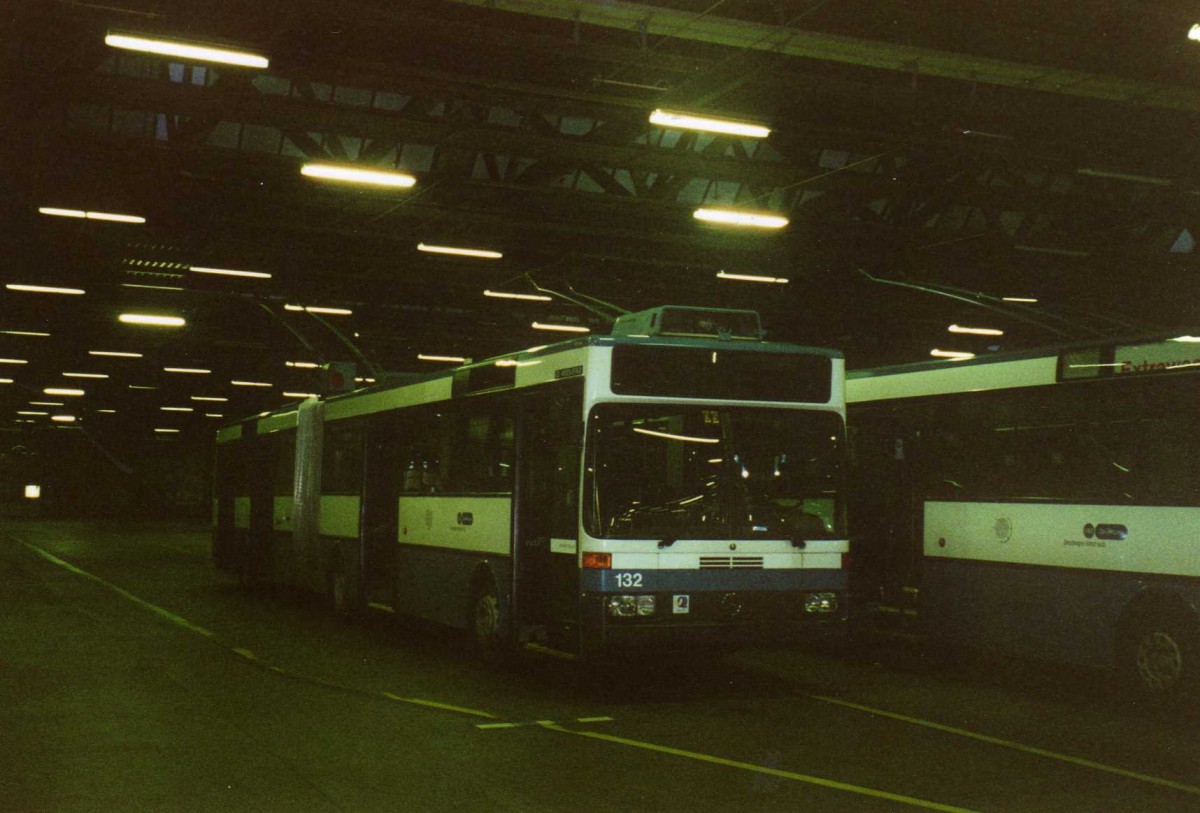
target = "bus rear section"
x: 1042, y: 505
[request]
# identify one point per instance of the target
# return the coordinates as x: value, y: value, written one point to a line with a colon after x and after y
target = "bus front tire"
x: 487, y: 631
x: 1159, y: 655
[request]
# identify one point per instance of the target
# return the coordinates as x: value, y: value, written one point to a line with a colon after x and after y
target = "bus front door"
x: 546, y: 599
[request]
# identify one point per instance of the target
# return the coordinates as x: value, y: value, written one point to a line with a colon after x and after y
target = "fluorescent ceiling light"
x: 107, y: 411
x: 751, y: 277
x: 515, y: 363
x: 182, y: 50
x: 686, y: 121
x: 31, y: 412
x: 141, y: 387
x: 1186, y: 339
x: 46, y: 403
x: 316, y: 309
x: 6, y: 381
x: 483, y: 253
x: 193, y: 370
x: 23, y: 333
x: 373, y: 177
x: 732, y: 217
x: 1029, y: 299
x: 86, y: 375
x: 63, y: 418
x: 115, y: 354
x: 14, y: 361
x: 177, y: 409
x: 951, y: 354
x: 307, y: 365
x: 669, y: 436
x: 115, y: 218
x: 152, y: 287
x: 79, y: 213
x: 213, y: 415
x: 150, y: 319
x: 364, y: 381
x: 527, y: 297
x: 44, y: 289
x: 976, y: 331
x: 166, y: 431
x: 1194, y: 32
x: 208, y: 398
x: 430, y: 357
x: 61, y: 391
x: 300, y: 395
x: 563, y: 328
x: 230, y: 272
x: 251, y: 384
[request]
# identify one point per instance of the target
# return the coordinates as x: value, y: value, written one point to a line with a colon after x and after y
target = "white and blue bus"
x: 678, y: 482
x: 1044, y: 504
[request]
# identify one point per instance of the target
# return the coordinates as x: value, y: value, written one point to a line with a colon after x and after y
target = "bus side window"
x: 485, y: 448
x: 422, y: 438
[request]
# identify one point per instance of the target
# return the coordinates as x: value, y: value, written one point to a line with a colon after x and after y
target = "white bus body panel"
x: 1160, y: 540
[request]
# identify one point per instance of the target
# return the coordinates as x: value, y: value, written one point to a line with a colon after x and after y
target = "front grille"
x: 731, y: 562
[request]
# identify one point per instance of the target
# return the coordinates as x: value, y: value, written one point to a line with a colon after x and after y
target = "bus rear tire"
x: 1160, y: 655
x: 488, y: 638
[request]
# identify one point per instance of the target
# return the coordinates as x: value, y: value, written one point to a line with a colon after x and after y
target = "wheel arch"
x: 482, y: 575
x: 1154, y: 602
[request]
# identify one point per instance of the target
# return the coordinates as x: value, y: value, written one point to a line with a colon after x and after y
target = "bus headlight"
x: 622, y: 606
x: 629, y: 606
x: 820, y: 603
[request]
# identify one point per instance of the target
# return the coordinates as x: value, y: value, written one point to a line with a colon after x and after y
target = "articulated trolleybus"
x: 678, y: 482
x: 1044, y: 505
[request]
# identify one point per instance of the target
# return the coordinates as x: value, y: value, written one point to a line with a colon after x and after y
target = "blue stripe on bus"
x: 1032, y: 611
x: 627, y: 581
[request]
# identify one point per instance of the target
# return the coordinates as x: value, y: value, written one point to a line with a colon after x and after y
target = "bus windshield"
x: 668, y: 472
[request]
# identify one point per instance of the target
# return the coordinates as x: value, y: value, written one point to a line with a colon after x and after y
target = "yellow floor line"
x: 241, y: 651
x: 159, y: 611
x: 1016, y: 746
x: 746, y: 766
x: 433, y: 704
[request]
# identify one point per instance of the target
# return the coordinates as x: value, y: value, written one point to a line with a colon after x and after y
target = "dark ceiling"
x: 933, y: 157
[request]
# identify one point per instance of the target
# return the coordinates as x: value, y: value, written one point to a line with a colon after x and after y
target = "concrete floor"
x: 134, y: 677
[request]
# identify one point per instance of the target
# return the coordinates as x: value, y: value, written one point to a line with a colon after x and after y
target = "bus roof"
x: 407, y: 380
x: 1037, y: 366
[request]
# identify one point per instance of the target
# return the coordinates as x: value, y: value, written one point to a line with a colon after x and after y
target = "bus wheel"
x: 487, y: 634
x: 1159, y: 655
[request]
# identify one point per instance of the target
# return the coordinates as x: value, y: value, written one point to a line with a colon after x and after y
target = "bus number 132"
x: 629, y: 579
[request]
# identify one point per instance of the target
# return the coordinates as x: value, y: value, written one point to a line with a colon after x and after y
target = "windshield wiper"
x: 666, y: 542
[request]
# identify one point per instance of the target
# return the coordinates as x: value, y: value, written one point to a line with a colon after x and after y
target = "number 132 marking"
x: 629, y: 579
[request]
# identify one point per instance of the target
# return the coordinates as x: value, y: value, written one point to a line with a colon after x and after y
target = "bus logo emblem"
x: 1003, y: 529
x: 681, y: 604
